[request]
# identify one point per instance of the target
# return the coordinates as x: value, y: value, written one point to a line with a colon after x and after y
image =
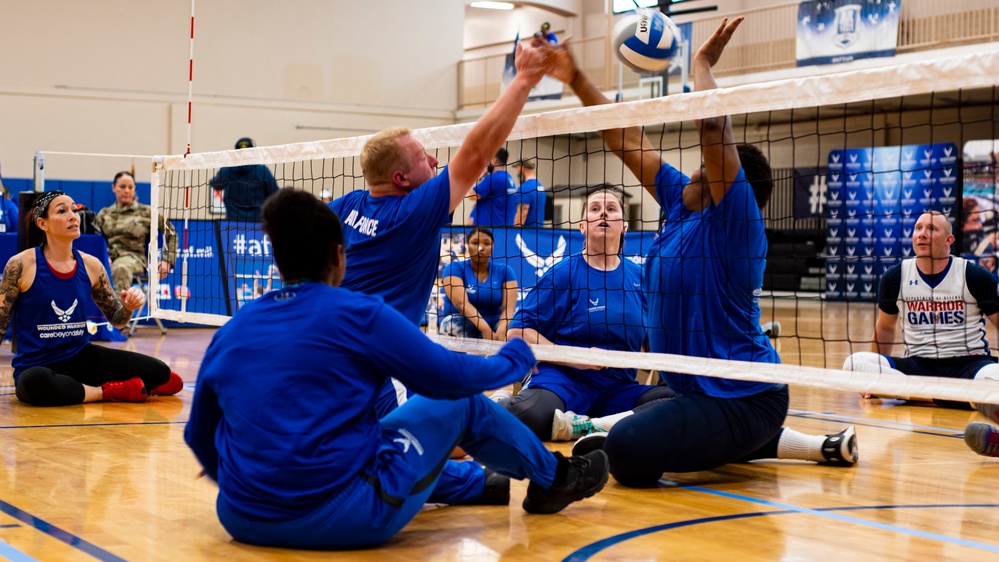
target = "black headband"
x: 43, y: 202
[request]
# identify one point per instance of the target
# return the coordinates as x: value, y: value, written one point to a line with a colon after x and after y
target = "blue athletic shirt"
x: 50, y: 319
x: 283, y: 414
x: 393, y: 243
x: 532, y: 193
x: 486, y: 296
x: 703, y: 278
x: 575, y: 304
x: 497, y: 205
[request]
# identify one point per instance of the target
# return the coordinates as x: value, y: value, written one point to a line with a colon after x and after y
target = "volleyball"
x: 645, y: 41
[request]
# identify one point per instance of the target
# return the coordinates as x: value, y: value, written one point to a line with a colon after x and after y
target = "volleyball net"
x: 857, y: 157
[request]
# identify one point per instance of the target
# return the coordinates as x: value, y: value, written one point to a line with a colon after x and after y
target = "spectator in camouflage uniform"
x: 126, y: 225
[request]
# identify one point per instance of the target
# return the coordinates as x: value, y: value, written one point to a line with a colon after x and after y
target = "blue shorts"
x: 390, y: 490
x: 586, y: 396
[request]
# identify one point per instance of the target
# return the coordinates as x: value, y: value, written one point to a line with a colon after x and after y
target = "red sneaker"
x: 170, y: 387
x: 131, y: 390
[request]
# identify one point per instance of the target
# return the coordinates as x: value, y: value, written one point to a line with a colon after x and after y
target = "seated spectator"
x: 8, y: 211
x: 127, y: 225
x: 972, y: 230
x: 480, y: 293
x: 44, y: 289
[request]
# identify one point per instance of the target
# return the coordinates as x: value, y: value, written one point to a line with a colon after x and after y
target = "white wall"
x: 112, y: 75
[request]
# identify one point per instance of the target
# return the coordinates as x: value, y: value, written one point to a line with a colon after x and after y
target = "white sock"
x: 795, y: 445
x: 607, y: 422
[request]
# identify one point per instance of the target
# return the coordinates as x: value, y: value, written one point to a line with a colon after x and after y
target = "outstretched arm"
x: 491, y: 131
x: 629, y: 144
x: 721, y: 160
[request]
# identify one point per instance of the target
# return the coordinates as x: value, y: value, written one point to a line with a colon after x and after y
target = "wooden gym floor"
x: 115, y: 481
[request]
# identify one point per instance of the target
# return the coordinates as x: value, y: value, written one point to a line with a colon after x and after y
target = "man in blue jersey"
x: 702, y: 282
x: 531, y: 208
x: 328, y: 472
x: 495, y: 195
x: 392, y: 231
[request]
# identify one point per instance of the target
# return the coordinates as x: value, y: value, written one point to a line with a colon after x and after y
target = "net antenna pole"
x: 187, y: 190
x: 38, y: 178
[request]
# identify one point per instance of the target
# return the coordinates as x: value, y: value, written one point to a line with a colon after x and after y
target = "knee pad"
x: 535, y: 408
x: 988, y: 373
x: 868, y: 362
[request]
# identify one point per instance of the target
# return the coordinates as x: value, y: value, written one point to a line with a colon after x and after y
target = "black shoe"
x: 584, y: 476
x: 496, y: 490
x: 588, y: 444
x: 840, y: 449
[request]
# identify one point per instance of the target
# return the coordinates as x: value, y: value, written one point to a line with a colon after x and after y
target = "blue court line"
x: 108, y: 424
x: 868, y: 422
x: 13, y: 554
x: 57, y: 533
x: 590, y: 550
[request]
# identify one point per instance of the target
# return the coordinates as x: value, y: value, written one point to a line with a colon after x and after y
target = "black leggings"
x: 61, y: 383
x: 535, y: 407
x: 694, y: 432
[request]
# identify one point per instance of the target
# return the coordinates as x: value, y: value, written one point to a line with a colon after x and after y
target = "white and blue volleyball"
x: 645, y: 41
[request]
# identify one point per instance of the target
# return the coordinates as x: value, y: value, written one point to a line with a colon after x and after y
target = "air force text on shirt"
x: 935, y: 312
x: 361, y: 224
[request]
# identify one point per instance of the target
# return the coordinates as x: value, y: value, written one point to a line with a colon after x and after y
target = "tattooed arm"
x: 10, y: 289
x: 117, y: 310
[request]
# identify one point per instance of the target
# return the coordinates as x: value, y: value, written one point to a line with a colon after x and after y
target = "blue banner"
x: 836, y: 31
x: 874, y: 197
x: 809, y: 193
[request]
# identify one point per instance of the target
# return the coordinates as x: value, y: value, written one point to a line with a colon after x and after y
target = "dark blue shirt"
x: 50, y: 319
x: 703, y: 280
x: 393, y: 243
x: 283, y: 414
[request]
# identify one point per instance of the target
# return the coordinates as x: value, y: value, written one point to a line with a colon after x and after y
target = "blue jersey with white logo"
x: 393, y: 243
x: 486, y: 296
x: 575, y: 304
x: 49, y: 318
x: 497, y: 204
x: 703, y: 279
x: 282, y: 457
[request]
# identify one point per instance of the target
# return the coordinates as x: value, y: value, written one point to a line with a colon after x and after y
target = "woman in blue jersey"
x: 593, y: 299
x: 301, y: 458
x: 44, y: 289
x: 702, y: 281
x: 480, y: 294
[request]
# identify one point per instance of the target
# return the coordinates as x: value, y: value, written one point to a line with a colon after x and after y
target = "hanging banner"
x: 836, y: 31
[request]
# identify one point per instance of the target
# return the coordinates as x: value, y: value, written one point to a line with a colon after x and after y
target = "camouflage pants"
x: 122, y: 270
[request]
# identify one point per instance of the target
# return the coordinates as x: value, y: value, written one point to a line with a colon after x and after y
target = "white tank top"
x: 940, y: 321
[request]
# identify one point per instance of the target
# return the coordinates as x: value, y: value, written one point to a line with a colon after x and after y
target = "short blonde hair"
x: 382, y: 155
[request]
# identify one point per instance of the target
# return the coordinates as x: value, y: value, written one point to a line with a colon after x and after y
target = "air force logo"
x: 542, y: 264
x: 408, y: 440
x: 64, y: 315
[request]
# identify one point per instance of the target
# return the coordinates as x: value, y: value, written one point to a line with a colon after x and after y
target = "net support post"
x: 38, y: 178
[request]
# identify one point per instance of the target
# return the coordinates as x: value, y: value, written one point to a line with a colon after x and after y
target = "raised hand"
x: 558, y: 59
x: 712, y: 49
